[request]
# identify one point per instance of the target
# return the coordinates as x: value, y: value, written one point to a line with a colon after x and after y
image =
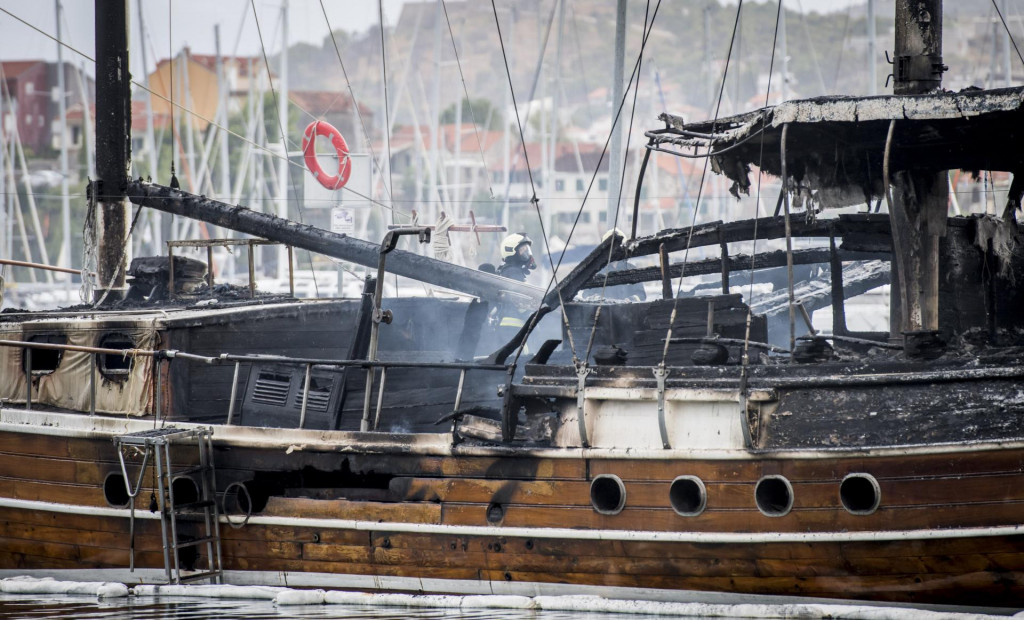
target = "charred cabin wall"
x: 640, y: 328
x: 979, y: 295
x: 423, y: 330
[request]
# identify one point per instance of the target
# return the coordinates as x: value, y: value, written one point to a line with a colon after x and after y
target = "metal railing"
x: 166, y: 355
x: 209, y: 244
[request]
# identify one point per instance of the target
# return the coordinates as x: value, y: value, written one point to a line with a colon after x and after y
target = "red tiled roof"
x: 14, y: 68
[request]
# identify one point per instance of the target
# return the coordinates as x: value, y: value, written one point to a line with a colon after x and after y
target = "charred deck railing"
x: 309, y: 363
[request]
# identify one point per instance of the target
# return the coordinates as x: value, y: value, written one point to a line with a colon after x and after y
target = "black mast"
x: 919, y: 197
x: 113, y: 146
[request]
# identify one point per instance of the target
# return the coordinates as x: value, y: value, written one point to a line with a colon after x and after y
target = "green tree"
x: 487, y: 116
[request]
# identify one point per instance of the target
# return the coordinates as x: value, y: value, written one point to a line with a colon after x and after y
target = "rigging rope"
x: 745, y: 356
x: 387, y: 113
x: 700, y: 188
x: 622, y: 180
x: 465, y: 89
x: 1008, y: 33
x: 533, y: 188
x: 282, y: 124
x: 355, y: 102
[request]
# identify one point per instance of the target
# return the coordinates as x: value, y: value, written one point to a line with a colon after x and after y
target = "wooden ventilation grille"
x: 272, y: 389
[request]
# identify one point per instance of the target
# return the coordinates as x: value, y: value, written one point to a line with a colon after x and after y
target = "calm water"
x: 179, y: 608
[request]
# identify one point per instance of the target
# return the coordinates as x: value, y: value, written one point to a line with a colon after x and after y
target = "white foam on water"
x: 48, y: 585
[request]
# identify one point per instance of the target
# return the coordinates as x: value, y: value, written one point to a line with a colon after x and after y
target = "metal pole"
x: 234, y: 394
x: 872, y: 50
x: 282, y: 111
x: 64, y: 260
x: 155, y: 217
x: 615, y: 159
x: 113, y: 145
x: 92, y: 384
x: 305, y: 397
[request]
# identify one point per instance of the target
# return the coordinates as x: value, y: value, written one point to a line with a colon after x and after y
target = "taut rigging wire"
x: 745, y: 357
x: 533, y: 188
x: 355, y: 102
x: 1008, y: 33
x: 465, y: 89
x: 700, y: 188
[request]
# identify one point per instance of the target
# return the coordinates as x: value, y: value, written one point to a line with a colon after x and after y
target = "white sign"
x: 343, y: 221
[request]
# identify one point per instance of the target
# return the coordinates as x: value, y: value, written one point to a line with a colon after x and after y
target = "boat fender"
x: 325, y: 129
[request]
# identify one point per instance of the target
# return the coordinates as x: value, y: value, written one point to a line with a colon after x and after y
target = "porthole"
x: 185, y: 490
x: 114, y: 490
x: 860, y: 494
x: 43, y: 361
x: 688, y: 496
x: 774, y: 496
x: 495, y: 513
x: 116, y: 365
x: 608, y: 494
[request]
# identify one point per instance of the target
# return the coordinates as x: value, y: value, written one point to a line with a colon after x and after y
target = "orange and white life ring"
x: 325, y: 129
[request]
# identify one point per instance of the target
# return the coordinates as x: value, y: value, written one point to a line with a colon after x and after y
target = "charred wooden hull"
x: 337, y: 507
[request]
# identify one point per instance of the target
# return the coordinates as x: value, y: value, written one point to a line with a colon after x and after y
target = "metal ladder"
x: 157, y: 443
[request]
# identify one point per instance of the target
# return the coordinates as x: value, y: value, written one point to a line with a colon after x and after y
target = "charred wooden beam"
x: 716, y: 233
x: 739, y: 262
x: 343, y: 247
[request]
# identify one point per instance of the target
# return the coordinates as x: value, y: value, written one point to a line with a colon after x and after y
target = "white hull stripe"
x: 552, y: 532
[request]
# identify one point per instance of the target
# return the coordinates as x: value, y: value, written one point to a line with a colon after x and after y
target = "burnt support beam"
x: 113, y: 147
x: 917, y: 62
x: 740, y: 262
x: 407, y: 264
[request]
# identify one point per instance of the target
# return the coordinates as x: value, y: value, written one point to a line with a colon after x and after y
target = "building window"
x: 559, y: 185
x: 579, y: 185
x: 602, y: 184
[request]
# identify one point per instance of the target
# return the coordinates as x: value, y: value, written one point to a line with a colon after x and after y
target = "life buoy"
x: 325, y: 129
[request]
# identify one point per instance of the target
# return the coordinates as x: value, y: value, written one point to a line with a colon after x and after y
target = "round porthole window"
x: 608, y: 494
x: 774, y: 496
x: 860, y: 494
x: 688, y: 496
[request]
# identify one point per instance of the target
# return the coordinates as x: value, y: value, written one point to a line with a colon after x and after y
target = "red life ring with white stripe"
x: 325, y: 129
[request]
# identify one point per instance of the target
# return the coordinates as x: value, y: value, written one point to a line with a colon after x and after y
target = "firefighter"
x: 516, y: 257
x: 516, y: 263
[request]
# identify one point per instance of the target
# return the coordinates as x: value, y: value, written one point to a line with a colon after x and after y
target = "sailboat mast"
x: 64, y: 260
x: 920, y: 197
x: 282, y: 164
x: 113, y: 146
x: 615, y: 159
x: 872, y: 50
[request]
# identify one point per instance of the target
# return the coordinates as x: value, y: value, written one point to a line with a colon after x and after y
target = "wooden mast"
x: 113, y: 146
x: 919, y: 196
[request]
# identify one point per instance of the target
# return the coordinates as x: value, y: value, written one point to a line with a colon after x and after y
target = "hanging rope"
x: 700, y: 188
x: 745, y: 357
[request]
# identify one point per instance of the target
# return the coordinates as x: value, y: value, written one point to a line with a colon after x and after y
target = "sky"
x: 192, y: 23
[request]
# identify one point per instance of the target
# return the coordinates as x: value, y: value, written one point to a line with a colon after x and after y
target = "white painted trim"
x: 554, y: 532
x: 79, y: 425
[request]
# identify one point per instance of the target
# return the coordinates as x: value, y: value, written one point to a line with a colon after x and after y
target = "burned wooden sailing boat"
x: 664, y: 449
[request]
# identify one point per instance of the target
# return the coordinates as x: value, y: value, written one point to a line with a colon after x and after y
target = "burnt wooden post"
x: 113, y: 146
x: 919, y: 197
